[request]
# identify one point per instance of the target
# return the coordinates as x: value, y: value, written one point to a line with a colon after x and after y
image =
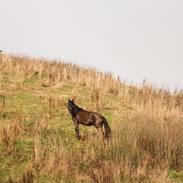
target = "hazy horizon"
x: 133, y: 39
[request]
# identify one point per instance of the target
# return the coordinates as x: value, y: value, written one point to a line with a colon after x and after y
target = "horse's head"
x: 73, y: 108
x: 70, y: 106
x: 71, y: 102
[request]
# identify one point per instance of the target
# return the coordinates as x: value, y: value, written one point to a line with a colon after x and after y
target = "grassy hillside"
x: 37, y: 138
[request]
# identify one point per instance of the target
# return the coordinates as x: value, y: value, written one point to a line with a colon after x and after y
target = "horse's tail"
x: 107, y: 129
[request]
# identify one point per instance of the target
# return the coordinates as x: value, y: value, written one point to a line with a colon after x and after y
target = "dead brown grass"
x: 146, y: 143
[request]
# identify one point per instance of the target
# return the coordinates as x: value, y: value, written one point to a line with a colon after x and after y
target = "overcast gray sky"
x: 134, y: 39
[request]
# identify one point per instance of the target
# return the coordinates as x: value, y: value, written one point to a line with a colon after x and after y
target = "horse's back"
x: 88, y: 118
x: 85, y: 118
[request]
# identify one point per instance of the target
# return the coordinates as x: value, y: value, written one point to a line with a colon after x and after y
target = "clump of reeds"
x: 9, y: 136
x: 2, y: 102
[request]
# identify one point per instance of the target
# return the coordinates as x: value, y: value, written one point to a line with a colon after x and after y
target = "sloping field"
x: 37, y: 138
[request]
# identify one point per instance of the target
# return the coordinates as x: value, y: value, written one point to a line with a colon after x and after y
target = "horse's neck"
x: 77, y: 109
x: 72, y: 112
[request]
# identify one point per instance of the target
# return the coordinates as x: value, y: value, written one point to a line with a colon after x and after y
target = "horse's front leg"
x: 77, y: 131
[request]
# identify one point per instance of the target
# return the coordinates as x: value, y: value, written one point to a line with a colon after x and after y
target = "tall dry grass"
x: 142, y: 150
x: 145, y: 145
x: 55, y: 72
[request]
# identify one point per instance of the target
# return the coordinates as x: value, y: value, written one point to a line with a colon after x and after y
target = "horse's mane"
x: 74, y: 109
x: 77, y: 108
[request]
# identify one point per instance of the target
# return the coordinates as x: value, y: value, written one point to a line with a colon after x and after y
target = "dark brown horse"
x: 81, y: 116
